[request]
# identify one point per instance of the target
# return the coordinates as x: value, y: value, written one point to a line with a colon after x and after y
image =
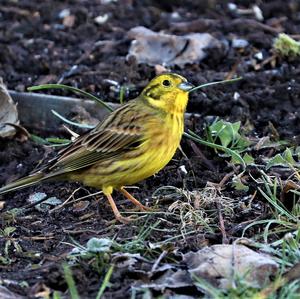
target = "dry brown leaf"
x: 165, y: 49
x: 221, y: 263
x: 8, y: 112
x: 7, y: 294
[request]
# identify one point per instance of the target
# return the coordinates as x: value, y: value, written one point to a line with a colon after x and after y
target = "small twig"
x: 157, y: 262
x: 233, y: 70
x: 222, y: 225
x: 198, y: 152
x: 82, y: 231
x: 295, y: 36
x: 233, y: 263
x: 87, y: 217
x: 242, y: 225
x: 255, y: 25
x: 65, y: 202
x: 252, y: 198
x: 38, y: 238
x: 86, y: 196
x: 190, y: 163
x: 224, y: 180
x: 266, y: 61
x: 29, y: 206
x: 72, y: 133
x: 16, y: 10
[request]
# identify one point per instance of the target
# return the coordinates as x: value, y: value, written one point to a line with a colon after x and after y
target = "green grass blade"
x: 280, y: 209
x: 195, y: 137
x: 56, y: 295
x: 70, y: 282
x: 215, y: 83
x: 207, y: 288
x: 70, y: 88
x: 258, y: 223
x: 105, y: 282
x: 58, y: 141
x: 51, y: 141
x: 37, y: 139
x: 71, y: 122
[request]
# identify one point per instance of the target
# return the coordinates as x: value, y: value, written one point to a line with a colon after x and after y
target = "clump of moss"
x: 286, y: 46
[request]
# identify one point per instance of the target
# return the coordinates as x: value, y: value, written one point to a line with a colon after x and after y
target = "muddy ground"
x: 36, y: 47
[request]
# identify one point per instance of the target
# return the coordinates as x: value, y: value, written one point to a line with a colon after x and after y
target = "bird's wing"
x: 115, y: 136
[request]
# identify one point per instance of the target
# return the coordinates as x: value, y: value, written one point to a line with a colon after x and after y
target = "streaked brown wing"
x: 118, y: 134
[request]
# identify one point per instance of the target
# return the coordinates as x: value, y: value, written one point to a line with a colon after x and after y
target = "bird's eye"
x: 166, y: 83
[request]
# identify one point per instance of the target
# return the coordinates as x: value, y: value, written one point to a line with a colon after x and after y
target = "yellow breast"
x: 163, y: 139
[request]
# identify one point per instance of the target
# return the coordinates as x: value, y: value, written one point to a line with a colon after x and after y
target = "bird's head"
x: 168, y: 93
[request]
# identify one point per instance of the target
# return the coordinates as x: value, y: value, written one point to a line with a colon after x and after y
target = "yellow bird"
x: 132, y: 143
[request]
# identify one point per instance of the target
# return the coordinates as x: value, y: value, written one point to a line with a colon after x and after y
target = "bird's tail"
x: 22, y: 183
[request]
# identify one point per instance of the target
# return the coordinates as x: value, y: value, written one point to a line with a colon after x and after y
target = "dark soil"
x: 36, y: 47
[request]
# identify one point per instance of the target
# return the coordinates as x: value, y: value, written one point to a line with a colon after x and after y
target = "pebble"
x: 101, y: 19
x: 259, y: 56
x: 64, y: 13
x: 239, y: 43
x: 232, y: 6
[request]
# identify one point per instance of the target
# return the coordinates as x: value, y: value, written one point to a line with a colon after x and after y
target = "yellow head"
x: 168, y: 93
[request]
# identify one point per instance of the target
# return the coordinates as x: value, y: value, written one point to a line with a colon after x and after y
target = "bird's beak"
x: 185, y: 86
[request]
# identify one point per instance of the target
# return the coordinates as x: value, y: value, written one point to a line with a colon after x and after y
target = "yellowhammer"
x: 132, y: 143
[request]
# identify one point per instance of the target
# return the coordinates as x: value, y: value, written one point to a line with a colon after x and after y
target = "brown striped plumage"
x: 131, y: 144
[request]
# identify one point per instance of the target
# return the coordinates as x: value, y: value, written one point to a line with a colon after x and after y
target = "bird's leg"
x: 118, y: 215
x: 133, y: 200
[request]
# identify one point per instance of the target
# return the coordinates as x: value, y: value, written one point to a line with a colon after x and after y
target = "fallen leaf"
x: 292, y: 274
x: 287, y: 196
x: 40, y: 290
x: 7, y: 294
x: 97, y: 245
x: 80, y: 206
x: 22, y: 134
x: 164, y: 49
x: 171, y: 279
x: 221, y: 263
x: 125, y: 260
x: 8, y: 112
